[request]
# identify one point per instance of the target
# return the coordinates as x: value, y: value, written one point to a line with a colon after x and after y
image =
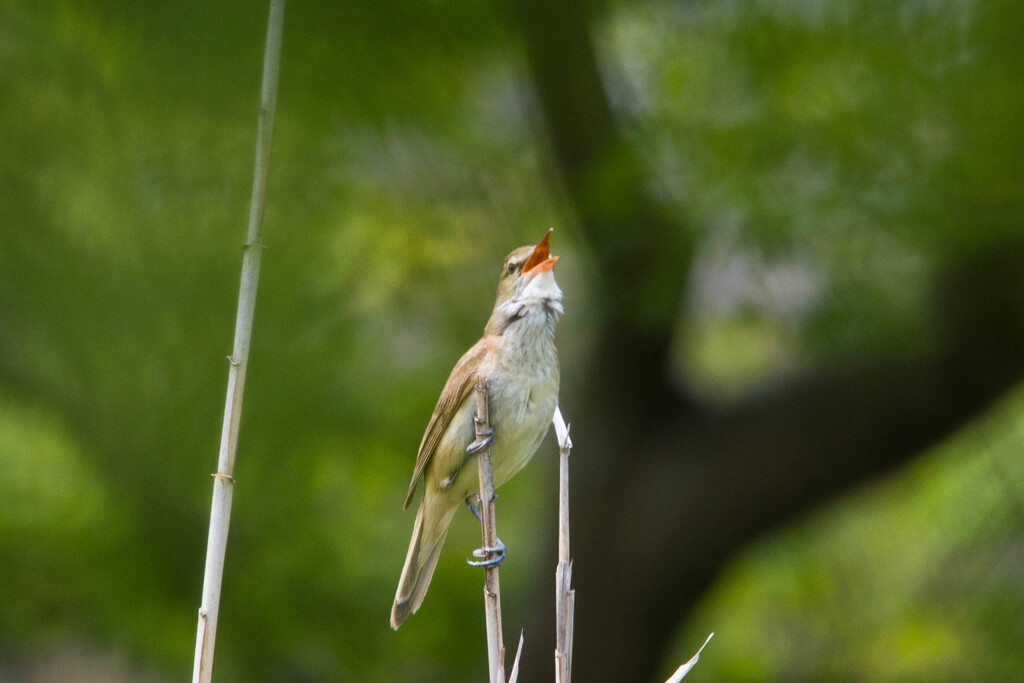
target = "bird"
x: 518, y: 359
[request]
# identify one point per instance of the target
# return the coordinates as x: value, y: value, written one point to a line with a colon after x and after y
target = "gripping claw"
x: 481, y: 444
x: 498, y: 552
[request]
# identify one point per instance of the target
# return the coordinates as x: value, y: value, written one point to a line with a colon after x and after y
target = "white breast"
x: 524, y: 392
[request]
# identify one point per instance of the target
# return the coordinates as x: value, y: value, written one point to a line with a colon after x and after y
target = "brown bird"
x: 517, y: 356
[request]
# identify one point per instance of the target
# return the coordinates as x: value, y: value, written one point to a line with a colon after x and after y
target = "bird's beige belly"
x: 517, y: 437
x: 519, y: 419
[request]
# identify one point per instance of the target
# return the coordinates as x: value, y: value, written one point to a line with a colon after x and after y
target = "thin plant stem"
x: 223, y: 480
x: 565, y: 596
x: 492, y: 585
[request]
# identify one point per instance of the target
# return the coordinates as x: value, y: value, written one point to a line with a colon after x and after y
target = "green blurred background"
x: 792, y: 258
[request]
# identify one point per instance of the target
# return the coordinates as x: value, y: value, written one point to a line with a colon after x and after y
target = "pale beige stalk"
x: 565, y: 596
x: 492, y: 582
x: 223, y: 482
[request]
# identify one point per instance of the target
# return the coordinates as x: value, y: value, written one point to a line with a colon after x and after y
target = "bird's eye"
x: 511, y: 267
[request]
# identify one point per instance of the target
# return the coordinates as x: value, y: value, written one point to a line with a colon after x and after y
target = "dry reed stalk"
x: 492, y: 585
x: 223, y: 480
x: 565, y: 596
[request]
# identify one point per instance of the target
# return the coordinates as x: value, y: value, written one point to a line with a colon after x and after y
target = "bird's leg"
x: 498, y: 553
x: 472, y: 504
x: 478, y: 443
x: 495, y: 555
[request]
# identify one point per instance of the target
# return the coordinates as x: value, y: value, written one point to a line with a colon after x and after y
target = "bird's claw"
x: 498, y: 553
x: 481, y: 443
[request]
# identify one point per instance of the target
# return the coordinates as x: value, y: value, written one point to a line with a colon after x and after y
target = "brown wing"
x: 459, y: 384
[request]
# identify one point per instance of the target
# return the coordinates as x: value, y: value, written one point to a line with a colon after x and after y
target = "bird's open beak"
x: 541, y: 259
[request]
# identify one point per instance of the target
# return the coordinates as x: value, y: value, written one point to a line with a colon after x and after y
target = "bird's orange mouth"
x: 541, y: 259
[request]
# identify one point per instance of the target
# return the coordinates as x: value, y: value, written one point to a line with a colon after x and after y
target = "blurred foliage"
x: 916, y: 579
x: 829, y: 156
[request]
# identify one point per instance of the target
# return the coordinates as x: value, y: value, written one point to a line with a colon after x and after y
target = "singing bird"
x: 517, y: 357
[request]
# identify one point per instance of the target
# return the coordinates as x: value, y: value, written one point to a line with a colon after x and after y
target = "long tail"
x: 432, y: 522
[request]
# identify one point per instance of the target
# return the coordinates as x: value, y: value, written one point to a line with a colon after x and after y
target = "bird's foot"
x: 481, y: 443
x: 494, y: 556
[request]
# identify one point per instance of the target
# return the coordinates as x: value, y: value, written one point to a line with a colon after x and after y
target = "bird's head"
x: 527, y: 279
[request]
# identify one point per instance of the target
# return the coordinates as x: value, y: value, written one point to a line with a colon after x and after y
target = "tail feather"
x: 428, y: 535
